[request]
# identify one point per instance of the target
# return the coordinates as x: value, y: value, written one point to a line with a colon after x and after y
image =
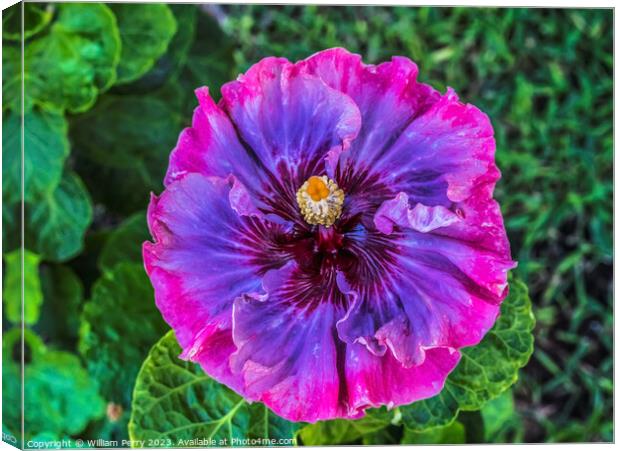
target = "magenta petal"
x: 210, y: 146
x: 376, y: 381
x: 288, y: 355
x: 482, y: 225
x: 204, y: 256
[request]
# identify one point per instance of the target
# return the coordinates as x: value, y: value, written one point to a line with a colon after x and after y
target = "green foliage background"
x: 109, y: 88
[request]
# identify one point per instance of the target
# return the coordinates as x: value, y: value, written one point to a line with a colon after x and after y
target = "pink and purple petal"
x: 436, y: 291
x: 388, y: 95
x: 293, y: 361
x: 211, y: 147
x: 289, y: 123
x: 374, y: 381
x: 451, y: 143
x: 205, y: 255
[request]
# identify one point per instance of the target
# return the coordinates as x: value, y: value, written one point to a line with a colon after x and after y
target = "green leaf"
x: 329, y: 433
x: 36, y: 17
x: 11, y: 230
x: 45, y: 149
x: 77, y: 59
x: 12, y: 290
x: 266, y: 425
x: 123, y: 146
x: 168, y: 67
x: 119, y: 324
x: 55, y: 226
x: 62, y: 298
x: 175, y: 402
x: 123, y: 191
x: 12, y: 80
x: 453, y: 434
x: 210, y: 60
x: 497, y: 414
x: 125, y: 242
x: 485, y: 370
x: 127, y: 132
x: 335, y: 432
x: 59, y: 396
x: 390, y: 435
x: 145, y: 30
x: 473, y: 424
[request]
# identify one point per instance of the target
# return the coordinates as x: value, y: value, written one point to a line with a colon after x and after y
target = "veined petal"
x: 437, y: 291
x: 289, y: 355
x: 437, y: 160
x: 205, y: 254
x: 451, y: 142
x: 290, y: 123
x: 419, y: 308
x: 388, y: 95
x: 289, y: 117
x: 211, y: 147
x: 421, y: 218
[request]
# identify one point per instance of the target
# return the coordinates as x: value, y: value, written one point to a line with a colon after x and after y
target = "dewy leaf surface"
x: 77, y: 59
x: 55, y: 225
x: 174, y: 401
x: 119, y: 324
x: 45, y: 149
x: 145, y: 30
x: 485, y: 370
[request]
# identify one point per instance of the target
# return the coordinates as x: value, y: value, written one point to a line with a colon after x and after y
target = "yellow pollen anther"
x: 320, y: 200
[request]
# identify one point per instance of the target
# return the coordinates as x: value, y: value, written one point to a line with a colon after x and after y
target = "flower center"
x: 320, y: 200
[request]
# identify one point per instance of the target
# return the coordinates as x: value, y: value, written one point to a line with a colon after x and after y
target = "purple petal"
x: 451, y: 141
x: 289, y: 121
x: 388, y: 95
x: 420, y: 218
x: 287, y: 353
x: 205, y: 255
x: 436, y: 291
x: 438, y: 159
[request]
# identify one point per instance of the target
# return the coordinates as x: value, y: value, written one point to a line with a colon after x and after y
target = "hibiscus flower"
x: 327, y: 239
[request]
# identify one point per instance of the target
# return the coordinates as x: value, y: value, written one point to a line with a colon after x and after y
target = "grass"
x: 545, y: 78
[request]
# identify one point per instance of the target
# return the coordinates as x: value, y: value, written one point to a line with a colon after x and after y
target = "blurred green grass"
x: 545, y: 78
